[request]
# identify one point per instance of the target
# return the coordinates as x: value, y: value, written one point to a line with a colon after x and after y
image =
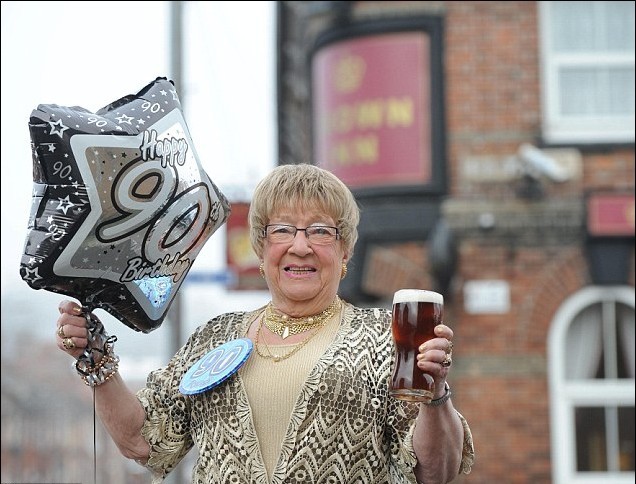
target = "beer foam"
x: 417, y: 295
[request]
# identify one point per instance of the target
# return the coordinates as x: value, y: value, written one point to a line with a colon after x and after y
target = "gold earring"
x: 261, y: 269
x: 343, y: 274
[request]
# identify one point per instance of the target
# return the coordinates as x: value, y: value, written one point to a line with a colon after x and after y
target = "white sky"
x: 89, y: 54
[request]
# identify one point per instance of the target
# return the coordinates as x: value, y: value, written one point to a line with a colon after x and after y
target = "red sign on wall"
x: 372, y: 109
x: 241, y: 259
x: 610, y: 215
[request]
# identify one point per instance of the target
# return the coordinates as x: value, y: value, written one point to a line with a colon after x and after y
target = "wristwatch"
x: 441, y: 400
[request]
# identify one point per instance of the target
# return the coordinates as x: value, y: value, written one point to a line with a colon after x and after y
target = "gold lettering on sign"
x: 359, y: 150
x: 349, y: 73
x: 399, y: 112
x: 392, y: 112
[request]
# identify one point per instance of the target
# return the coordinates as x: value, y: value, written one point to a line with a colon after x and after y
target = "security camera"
x: 536, y: 163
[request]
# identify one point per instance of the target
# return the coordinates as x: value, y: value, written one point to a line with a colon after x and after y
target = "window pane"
x: 584, y: 354
x: 598, y: 91
x: 589, y: 71
x: 620, y: 91
x: 578, y: 91
x: 573, y: 26
x: 626, y: 337
x: 620, y: 25
x: 626, y: 438
x: 593, y: 26
x: 590, y: 439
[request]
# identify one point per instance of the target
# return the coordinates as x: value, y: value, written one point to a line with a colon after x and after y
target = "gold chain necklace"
x: 285, y: 326
x: 297, y: 348
x: 278, y: 358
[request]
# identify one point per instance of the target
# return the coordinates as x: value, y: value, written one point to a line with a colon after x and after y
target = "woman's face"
x: 303, y: 277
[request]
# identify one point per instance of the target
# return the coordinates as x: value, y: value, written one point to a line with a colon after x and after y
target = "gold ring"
x: 449, y: 350
x: 60, y: 332
x: 68, y: 343
x: 448, y: 361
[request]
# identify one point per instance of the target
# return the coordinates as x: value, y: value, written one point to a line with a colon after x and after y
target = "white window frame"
x: 562, y: 129
x: 566, y: 395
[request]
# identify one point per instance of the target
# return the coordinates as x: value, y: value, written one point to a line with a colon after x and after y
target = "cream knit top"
x: 272, y: 404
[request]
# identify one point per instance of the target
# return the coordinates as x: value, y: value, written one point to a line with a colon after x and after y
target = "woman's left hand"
x: 436, y: 357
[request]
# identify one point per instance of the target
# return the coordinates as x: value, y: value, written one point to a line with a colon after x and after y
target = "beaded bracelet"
x: 102, y: 372
x: 92, y: 373
x: 443, y: 399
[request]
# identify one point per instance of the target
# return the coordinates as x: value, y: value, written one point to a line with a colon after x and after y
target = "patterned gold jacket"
x: 344, y: 429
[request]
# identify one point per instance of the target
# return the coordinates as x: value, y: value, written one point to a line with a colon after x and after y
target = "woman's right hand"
x: 71, y: 333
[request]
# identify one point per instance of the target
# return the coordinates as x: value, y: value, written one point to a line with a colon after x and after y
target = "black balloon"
x: 121, y: 204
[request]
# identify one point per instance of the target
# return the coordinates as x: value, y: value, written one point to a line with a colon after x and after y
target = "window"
x: 591, y: 351
x: 587, y: 54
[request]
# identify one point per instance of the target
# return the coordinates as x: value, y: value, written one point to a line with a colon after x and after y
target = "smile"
x: 299, y: 270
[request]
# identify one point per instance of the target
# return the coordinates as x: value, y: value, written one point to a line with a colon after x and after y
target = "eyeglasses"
x: 316, y: 234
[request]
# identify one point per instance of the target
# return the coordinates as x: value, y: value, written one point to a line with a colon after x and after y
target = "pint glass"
x: 415, y: 313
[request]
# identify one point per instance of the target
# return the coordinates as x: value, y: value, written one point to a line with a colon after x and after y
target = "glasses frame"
x: 297, y: 229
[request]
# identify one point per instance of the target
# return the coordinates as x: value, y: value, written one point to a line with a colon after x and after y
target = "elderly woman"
x: 312, y: 403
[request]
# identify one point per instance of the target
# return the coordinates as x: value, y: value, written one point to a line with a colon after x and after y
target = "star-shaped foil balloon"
x: 121, y: 204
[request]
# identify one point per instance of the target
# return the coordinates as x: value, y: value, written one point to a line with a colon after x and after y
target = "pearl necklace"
x: 284, y: 326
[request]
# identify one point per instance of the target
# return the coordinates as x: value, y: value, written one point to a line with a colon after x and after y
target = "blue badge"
x: 216, y: 366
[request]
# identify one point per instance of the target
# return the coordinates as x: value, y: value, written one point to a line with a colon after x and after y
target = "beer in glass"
x: 415, y: 313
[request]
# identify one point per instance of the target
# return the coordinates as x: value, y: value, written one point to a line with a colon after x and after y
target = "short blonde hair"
x: 307, y: 187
